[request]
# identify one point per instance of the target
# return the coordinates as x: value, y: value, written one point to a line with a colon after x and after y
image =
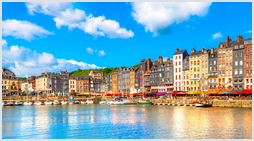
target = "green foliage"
x: 136, y: 66
x: 105, y: 71
x: 22, y: 78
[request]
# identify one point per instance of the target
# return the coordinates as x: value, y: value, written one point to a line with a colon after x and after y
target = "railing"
x: 212, y: 76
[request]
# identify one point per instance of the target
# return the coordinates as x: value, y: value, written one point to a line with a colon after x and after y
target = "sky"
x: 39, y: 37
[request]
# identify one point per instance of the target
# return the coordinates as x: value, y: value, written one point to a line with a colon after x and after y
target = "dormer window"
x: 236, y: 47
x: 241, y: 46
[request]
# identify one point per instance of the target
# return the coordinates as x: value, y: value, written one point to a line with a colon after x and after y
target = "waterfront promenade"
x: 240, y: 102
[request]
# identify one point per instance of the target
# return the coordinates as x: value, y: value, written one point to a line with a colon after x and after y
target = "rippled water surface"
x: 125, y: 122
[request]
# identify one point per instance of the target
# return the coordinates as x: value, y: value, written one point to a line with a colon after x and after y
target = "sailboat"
x: 64, y: 102
x: 37, y: 102
x: 201, y: 104
x: 56, y: 102
x: 143, y: 101
x: 83, y: 102
x: 76, y: 102
x: 71, y: 101
x: 48, y: 102
x: 27, y: 103
x: 17, y: 103
x: 89, y: 101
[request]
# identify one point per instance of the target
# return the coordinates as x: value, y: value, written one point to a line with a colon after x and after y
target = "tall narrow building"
x: 248, y: 63
x: 178, y: 57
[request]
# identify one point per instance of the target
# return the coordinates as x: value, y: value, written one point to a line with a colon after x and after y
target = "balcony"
x: 212, y: 76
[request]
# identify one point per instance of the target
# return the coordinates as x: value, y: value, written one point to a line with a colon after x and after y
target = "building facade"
x: 248, y: 64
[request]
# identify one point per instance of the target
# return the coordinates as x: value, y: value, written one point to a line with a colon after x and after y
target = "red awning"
x: 247, y: 92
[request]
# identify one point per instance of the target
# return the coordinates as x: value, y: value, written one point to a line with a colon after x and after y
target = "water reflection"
x: 125, y: 121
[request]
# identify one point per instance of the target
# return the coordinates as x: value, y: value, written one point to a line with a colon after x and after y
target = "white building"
x: 178, y: 65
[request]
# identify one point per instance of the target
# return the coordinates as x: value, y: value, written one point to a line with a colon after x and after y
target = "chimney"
x: 227, y: 41
x: 160, y: 59
x: 176, y: 49
x: 193, y: 50
x: 168, y: 59
x: 239, y: 38
x: 148, y: 64
x: 203, y: 49
x: 65, y: 70
x: 212, y: 49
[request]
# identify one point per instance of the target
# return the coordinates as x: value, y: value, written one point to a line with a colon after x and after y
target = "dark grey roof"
x: 179, y: 52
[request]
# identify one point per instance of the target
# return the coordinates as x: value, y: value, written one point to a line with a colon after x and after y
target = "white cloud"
x: 217, y: 36
x: 157, y: 17
x: 99, y: 26
x: 89, y: 50
x: 23, y: 61
x: 46, y: 59
x: 64, y: 15
x: 23, y: 30
x: 70, y: 18
x: 249, y: 31
x: 96, y: 50
x: 101, y: 53
x: 47, y: 8
x: 4, y: 43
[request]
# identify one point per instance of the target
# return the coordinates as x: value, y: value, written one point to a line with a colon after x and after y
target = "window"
x: 176, y: 77
x: 247, y: 71
x: 176, y: 57
x: 230, y: 73
x: 241, y: 46
x: 236, y: 47
x: 210, y: 68
x: 179, y: 77
x: 241, y: 54
x: 240, y: 71
x: 214, y: 62
x: 236, y: 72
x: 236, y: 54
x: 176, y: 63
x: 219, y: 52
x: 205, y: 57
x: 236, y: 63
x: 176, y: 69
x: 247, y: 65
x: 241, y: 62
x: 179, y: 69
x: 211, y: 62
x: 226, y: 73
x: 247, y: 49
x: 247, y: 56
x: 179, y: 63
x: 223, y: 51
x: 179, y: 57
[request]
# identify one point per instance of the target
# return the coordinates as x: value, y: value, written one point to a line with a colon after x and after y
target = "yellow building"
x: 14, y: 86
x: 198, y: 66
x: 41, y: 83
x: 204, y: 70
x: 114, y: 82
x: 132, y: 79
x: 186, y: 80
x: 72, y: 84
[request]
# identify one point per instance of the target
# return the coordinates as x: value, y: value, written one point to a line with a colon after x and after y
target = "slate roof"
x: 179, y: 52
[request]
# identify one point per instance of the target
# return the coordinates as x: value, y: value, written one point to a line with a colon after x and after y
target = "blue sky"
x: 39, y: 37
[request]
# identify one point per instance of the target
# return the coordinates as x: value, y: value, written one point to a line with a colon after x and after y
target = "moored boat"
x: 64, y: 102
x: 56, y: 102
x: 76, y: 102
x: 144, y: 102
x: 37, y: 103
x: 17, y: 103
x: 27, y: 103
x: 103, y: 102
x: 203, y: 105
x: 48, y: 102
x: 2, y: 103
x: 9, y: 103
x: 89, y: 101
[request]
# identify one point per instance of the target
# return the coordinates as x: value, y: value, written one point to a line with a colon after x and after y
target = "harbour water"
x: 125, y: 122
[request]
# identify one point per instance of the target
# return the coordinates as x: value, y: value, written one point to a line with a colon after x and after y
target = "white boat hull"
x: 48, y: 103
x: 37, y: 103
x: 83, y: 102
x: 64, y: 102
x: 103, y: 102
x: 27, y: 103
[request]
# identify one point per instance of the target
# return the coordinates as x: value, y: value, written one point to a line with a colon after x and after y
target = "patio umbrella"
x: 225, y: 92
